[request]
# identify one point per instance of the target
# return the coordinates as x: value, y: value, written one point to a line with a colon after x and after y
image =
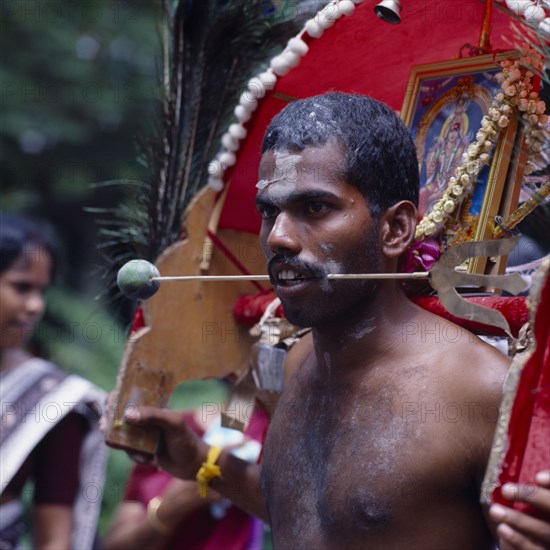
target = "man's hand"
x: 518, y: 530
x: 181, y: 452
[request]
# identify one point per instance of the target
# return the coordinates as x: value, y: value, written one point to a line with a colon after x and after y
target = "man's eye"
x: 267, y: 211
x: 316, y: 207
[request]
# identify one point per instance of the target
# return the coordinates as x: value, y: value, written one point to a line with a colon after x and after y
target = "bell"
x: 389, y: 10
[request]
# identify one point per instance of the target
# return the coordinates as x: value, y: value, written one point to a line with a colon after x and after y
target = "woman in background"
x: 49, y: 418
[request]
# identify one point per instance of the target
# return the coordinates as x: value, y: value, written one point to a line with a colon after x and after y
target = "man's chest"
x: 337, y: 468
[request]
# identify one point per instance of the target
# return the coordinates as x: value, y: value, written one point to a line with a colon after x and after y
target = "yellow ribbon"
x: 208, y: 470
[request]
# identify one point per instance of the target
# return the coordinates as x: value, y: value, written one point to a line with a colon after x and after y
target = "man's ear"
x: 397, y: 227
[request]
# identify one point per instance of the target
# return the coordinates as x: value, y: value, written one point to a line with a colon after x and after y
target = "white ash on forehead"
x: 284, y: 170
x: 285, y: 165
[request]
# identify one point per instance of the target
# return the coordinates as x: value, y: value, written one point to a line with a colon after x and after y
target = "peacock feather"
x: 210, y: 48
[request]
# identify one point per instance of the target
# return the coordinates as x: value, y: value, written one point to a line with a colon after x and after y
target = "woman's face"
x: 22, y: 288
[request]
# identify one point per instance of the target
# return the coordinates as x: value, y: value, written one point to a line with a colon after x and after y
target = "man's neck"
x: 366, y: 335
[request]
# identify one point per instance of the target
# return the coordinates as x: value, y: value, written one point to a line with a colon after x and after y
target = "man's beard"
x: 339, y: 300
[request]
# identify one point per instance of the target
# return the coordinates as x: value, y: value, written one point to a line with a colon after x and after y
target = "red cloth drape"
x: 529, y: 427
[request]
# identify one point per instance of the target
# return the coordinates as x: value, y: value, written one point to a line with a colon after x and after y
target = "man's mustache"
x: 296, y: 263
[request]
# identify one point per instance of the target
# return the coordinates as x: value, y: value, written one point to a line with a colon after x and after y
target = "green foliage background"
x: 79, y: 84
x: 78, y: 80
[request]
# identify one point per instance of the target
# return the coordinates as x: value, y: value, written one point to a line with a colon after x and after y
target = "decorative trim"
x: 259, y: 86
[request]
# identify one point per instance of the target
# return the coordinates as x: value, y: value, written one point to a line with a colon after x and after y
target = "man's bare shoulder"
x: 476, y: 368
x: 468, y: 373
x: 458, y: 369
x: 455, y: 351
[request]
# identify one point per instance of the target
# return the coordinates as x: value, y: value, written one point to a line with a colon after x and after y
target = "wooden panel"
x: 190, y: 333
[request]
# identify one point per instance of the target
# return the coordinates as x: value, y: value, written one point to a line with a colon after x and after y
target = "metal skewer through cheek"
x: 140, y: 279
x: 331, y: 276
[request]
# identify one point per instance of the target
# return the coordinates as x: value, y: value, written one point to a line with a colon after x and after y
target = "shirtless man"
x: 382, y: 436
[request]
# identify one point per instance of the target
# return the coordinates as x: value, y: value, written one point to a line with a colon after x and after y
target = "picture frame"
x: 443, y: 107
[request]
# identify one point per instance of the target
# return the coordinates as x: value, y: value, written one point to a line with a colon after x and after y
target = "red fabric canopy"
x: 362, y: 54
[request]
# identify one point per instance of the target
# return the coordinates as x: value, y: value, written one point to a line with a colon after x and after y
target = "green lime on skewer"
x: 135, y: 279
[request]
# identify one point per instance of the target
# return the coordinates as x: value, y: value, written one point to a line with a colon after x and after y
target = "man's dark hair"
x: 379, y: 153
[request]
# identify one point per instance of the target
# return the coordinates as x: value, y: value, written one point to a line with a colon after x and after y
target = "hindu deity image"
x: 444, y: 154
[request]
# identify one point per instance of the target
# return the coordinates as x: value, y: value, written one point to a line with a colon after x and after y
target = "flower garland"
x: 516, y: 93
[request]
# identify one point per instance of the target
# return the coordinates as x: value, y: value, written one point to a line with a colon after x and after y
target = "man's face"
x: 315, y: 223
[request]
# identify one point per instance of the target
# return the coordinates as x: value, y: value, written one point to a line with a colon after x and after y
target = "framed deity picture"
x: 443, y: 108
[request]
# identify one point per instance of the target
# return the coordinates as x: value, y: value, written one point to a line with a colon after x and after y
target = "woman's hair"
x: 19, y: 234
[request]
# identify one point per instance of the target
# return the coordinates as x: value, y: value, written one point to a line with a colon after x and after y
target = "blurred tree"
x: 78, y: 83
